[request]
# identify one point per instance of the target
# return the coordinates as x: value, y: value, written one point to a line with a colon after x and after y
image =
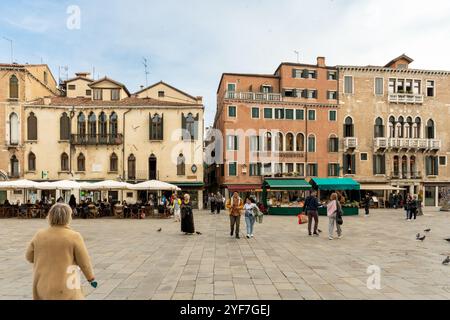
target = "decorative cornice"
x: 391, y: 70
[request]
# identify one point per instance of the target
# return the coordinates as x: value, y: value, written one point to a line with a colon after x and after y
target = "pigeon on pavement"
x: 198, y: 232
x: 446, y: 261
x: 421, y: 238
x: 160, y: 229
x: 418, y: 236
x: 427, y: 230
x: 447, y: 239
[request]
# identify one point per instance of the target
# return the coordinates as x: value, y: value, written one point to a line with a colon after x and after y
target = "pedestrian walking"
x: 250, y: 215
x: 367, y: 201
x: 235, y: 206
x: 56, y: 253
x: 312, y: 210
x: 406, y: 206
x: 218, y: 202
x: 176, y: 207
x: 334, y: 213
x: 412, y: 205
x: 212, y: 202
x: 187, y: 216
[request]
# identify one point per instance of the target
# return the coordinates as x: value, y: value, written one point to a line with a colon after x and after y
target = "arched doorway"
x: 152, y: 168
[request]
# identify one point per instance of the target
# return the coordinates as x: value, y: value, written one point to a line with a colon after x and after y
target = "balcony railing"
x: 255, y: 96
x: 405, y: 98
x: 404, y: 143
x: 406, y: 175
x: 350, y: 143
x: 96, y: 139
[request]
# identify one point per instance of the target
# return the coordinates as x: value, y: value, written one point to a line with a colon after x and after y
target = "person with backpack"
x: 334, y: 213
x: 312, y: 210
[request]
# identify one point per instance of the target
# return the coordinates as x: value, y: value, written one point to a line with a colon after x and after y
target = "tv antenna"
x: 145, y: 63
x: 63, y: 74
x: 297, y: 53
x: 11, y: 46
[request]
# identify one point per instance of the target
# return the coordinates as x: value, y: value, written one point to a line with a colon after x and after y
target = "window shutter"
x: 294, y: 74
x: 428, y: 165
x: 315, y: 75
x: 383, y: 164
x: 353, y: 164
x: 304, y: 93
x: 150, y: 126
x: 183, y: 126
x: 345, y: 163
x: 162, y: 127
x: 374, y: 164
x: 305, y: 74
x: 436, y: 166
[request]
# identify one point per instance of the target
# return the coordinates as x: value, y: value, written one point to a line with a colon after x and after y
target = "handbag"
x: 302, y: 219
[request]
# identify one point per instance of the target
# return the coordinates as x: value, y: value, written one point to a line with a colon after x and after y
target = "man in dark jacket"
x: 312, y: 210
x: 367, y: 201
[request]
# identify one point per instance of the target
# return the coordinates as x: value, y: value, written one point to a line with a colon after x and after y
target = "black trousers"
x: 218, y: 207
x: 412, y: 212
x: 213, y: 207
x: 313, y: 214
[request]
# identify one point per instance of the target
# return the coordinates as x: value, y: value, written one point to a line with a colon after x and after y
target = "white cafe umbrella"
x: 154, y: 185
x: 66, y: 185
x: 110, y: 185
x: 19, y: 184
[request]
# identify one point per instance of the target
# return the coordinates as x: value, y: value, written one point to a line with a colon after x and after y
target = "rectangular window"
x: 333, y: 144
x: 430, y: 88
x: 332, y: 95
x: 432, y: 166
x: 442, y: 160
x: 232, y: 143
x: 311, y: 170
x: 363, y: 156
x: 297, y: 73
x: 231, y: 87
x: 266, y: 89
x: 255, y: 113
x: 88, y: 92
x: 288, y: 92
x: 279, y: 113
x: 391, y: 88
x: 312, y: 74
x: 300, y: 169
x: 161, y: 94
x: 232, y: 169
x: 311, y: 115
x: 379, y: 86
x: 278, y: 168
x: 417, y: 88
x: 348, y: 84
x: 332, y: 75
x: 312, y: 94
x: 332, y: 115
x: 115, y: 94
x: 300, y: 114
x: 98, y: 94
x: 255, y: 143
x: 267, y: 168
x: 71, y: 87
x: 290, y: 114
x: 333, y: 169
x: 268, y: 113
x: 232, y: 111
x: 255, y: 169
x: 379, y: 164
x: 311, y: 144
x: 289, y: 167
x: 298, y: 93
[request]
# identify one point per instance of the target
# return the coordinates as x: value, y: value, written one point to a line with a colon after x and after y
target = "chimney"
x: 321, y: 61
x: 83, y: 74
x: 142, y: 87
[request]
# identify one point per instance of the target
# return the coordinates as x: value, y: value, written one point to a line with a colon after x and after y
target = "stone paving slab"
x: 134, y: 261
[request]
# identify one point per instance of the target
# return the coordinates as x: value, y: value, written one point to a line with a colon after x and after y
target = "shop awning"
x: 286, y: 184
x: 243, y: 187
x: 335, y: 184
x: 372, y: 187
x: 188, y: 184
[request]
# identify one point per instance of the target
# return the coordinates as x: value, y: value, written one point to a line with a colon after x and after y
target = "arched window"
x: 181, y: 165
x: 13, y: 87
x: 81, y: 129
x: 189, y: 126
x: 268, y: 142
x: 81, y: 163
x: 417, y: 128
x: 102, y: 127
x: 396, y: 167
x: 13, y: 129
x: 156, y: 127
x: 289, y: 142
x: 152, y: 167
x: 32, y: 127
x: 430, y: 129
x: 131, y: 167
x: 92, y: 128
x: 279, y: 141
x: 348, y: 127
x: 311, y: 143
x: 333, y: 144
x: 400, y: 127
x: 300, y: 143
x: 64, y: 162
x: 64, y: 127
x: 113, y: 132
x: 113, y: 163
x: 14, y: 167
x: 413, y: 167
x: 409, y: 128
x: 379, y: 128
x: 31, y: 162
x: 404, y: 167
x: 391, y: 127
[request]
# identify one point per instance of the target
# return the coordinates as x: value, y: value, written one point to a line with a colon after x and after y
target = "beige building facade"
x: 394, y: 127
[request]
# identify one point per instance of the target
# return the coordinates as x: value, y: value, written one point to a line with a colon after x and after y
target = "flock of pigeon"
x: 421, y: 238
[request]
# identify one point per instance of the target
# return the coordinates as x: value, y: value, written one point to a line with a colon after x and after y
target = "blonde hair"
x: 60, y: 214
x: 333, y: 196
x: 186, y: 195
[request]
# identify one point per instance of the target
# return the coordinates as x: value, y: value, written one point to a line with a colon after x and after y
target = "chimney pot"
x: 321, y: 61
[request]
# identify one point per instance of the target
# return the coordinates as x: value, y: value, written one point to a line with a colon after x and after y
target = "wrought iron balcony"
x: 96, y: 139
x: 254, y: 96
x: 405, y: 98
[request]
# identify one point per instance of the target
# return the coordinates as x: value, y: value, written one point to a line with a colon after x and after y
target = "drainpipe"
x: 123, y: 148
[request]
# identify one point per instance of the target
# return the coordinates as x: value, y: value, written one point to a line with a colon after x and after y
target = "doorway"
x: 152, y: 172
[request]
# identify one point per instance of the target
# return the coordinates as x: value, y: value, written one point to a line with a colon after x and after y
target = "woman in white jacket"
x: 332, y: 209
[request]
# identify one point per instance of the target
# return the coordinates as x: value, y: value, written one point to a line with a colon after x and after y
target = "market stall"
x: 346, y: 187
x: 284, y: 196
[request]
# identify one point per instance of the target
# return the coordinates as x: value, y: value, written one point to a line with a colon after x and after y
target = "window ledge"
x: 31, y: 141
x: 64, y: 141
x: 113, y: 172
x: 30, y: 171
x: 432, y: 176
x: 80, y: 172
x: 66, y: 172
x: 156, y: 140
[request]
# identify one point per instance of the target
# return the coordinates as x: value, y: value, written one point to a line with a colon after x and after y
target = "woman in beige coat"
x: 58, y: 253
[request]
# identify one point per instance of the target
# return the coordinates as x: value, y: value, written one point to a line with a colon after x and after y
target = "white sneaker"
x: 340, y: 237
x: 251, y: 236
x: 408, y: 220
x: 330, y: 238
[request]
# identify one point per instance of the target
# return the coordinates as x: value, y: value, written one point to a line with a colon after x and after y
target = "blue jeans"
x: 250, y: 222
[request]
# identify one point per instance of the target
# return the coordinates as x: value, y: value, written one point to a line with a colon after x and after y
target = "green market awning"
x: 286, y: 184
x: 335, y: 184
x: 188, y: 184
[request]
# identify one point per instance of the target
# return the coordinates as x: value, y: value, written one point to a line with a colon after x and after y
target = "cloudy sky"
x: 189, y: 44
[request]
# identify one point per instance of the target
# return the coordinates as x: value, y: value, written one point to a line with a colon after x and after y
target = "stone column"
x: 200, y: 199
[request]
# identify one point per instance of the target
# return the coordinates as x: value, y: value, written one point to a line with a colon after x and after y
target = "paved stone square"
x: 134, y: 261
